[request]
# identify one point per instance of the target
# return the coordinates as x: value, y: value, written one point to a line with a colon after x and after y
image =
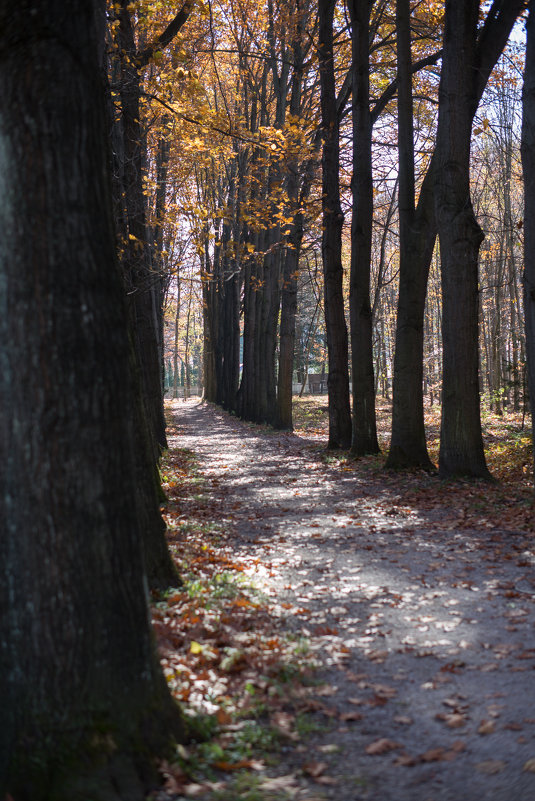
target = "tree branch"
x: 144, y: 56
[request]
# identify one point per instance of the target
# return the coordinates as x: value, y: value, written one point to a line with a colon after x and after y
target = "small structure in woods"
x: 317, y: 383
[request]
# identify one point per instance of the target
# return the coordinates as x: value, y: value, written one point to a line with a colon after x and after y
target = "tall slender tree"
x: 528, y: 167
x: 333, y: 218
x: 364, y: 431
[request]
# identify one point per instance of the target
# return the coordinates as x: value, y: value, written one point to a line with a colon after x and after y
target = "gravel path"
x: 425, y: 630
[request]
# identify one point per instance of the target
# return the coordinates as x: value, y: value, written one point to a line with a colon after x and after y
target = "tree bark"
x: 461, y: 442
x: 364, y: 434
x: 528, y: 167
x: 137, y: 251
x: 335, y: 323
x: 408, y: 447
x: 84, y: 704
x: 294, y: 239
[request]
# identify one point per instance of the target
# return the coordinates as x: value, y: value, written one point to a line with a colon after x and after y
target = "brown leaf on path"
x: 433, y: 755
x: 283, y: 722
x: 405, y: 720
x: 381, y: 746
x: 486, y: 727
x: 384, y: 690
x: 286, y: 783
x: 454, y: 720
x: 491, y: 766
x: 406, y: 761
x: 315, y: 769
x: 529, y: 766
x: 458, y: 746
x: 328, y: 780
x: 347, y: 716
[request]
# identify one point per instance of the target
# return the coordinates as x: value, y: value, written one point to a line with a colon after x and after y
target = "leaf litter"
x: 366, y: 580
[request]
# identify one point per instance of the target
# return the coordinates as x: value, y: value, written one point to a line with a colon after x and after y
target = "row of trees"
x: 309, y: 112
x: 91, y: 239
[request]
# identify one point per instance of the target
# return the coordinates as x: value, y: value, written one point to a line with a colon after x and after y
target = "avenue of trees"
x: 344, y: 194
x: 286, y: 168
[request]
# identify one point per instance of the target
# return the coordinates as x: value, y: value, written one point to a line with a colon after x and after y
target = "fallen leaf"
x: 406, y: 761
x: 486, y: 727
x: 490, y: 766
x: 287, y: 783
x: 315, y: 769
x: 454, y: 720
x: 230, y: 766
x: 329, y: 780
x: 283, y: 723
x: 382, y: 746
x: 347, y: 716
x: 529, y: 766
x: 457, y: 746
x: 405, y: 720
x: 433, y: 755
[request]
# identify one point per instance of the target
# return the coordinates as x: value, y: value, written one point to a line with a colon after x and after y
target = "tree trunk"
x: 335, y: 323
x: 137, y: 259
x: 408, y: 446
x: 292, y: 253
x: 528, y: 167
x: 84, y: 704
x: 461, y: 442
x: 364, y: 439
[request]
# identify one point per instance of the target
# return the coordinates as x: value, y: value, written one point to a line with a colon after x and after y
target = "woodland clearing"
x: 343, y: 631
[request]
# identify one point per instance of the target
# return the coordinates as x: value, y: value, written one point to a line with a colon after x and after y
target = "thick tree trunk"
x: 461, y: 442
x: 364, y: 438
x: 84, y: 705
x: 528, y: 166
x: 335, y: 323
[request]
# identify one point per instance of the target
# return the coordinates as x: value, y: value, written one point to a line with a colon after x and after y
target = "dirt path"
x: 426, y: 633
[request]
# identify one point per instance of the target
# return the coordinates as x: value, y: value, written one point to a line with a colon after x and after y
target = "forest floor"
x: 346, y: 632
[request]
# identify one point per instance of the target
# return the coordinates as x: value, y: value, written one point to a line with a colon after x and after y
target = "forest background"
x: 243, y: 137
x: 242, y: 185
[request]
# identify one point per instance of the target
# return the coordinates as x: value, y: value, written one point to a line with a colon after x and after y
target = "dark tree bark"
x: 408, y: 447
x: 84, y: 704
x: 294, y: 239
x: 528, y: 167
x: 145, y: 301
x: 142, y: 281
x: 335, y: 323
x: 364, y: 435
x: 460, y: 237
x: 408, y: 431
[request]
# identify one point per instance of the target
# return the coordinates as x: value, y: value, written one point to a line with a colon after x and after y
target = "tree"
x: 408, y: 447
x: 335, y: 324
x: 460, y: 237
x: 528, y: 166
x: 84, y: 704
x: 407, y: 435
x: 364, y: 433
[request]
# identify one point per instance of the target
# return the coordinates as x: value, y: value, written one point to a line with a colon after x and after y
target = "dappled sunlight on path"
x: 425, y: 631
